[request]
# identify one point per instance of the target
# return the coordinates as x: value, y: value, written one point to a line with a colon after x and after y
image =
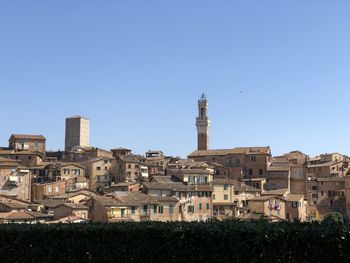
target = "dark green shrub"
x: 333, y: 218
x: 214, y: 241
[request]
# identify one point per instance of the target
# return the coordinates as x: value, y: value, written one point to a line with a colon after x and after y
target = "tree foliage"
x: 214, y: 241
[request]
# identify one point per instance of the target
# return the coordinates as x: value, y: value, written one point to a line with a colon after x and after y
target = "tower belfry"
x: 203, y: 124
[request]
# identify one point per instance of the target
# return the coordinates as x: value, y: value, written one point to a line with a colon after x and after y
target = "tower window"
x: 202, y: 113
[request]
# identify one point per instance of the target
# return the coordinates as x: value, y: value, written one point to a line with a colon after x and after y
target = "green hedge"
x: 228, y: 241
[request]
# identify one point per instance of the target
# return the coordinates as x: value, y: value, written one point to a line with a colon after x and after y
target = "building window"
x: 314, y: 188
x: 253, y: 159
x: 314, y: 196
x: 160, y: 209
x: 133, y: 209
x: 250, y: 172
x: 122, y: 212
x: 155, y: 209
x: 322, y: 193
x: 49, y: 189
x: 208, y: 206
x: 98, y: 168
x: 171, y: 209
x: 57, y: 189
x: 129, y: 166
x: 177, y: 194
x: 190, y: 209
x: 295, y: 204
x: 236, y: 193
x: 200, y: 206
x: 180, y: 209
x: 331, y: 202
x: 225, y: 197
x: 261, y: 172
x: 213, y: 196
x: 225, y: 187
x: 145, y: 209
x: 106, y: 168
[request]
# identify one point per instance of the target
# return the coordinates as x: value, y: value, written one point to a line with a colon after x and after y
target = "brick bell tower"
x: 203, y: 124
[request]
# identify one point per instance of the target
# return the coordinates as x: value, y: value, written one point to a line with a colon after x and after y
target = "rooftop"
x: 276, y: 192
x: 135, y: 198
x: 107, y: 201
x: 27, y: 137
x: 121, y: 149
x: 325, y: 164
x: 161, y: 179
x: 173, y: 186
x: 77, y: 117
x: 238, y: 150
x: 51, y: 203
x: 76, y: 206
x: 15, y: 205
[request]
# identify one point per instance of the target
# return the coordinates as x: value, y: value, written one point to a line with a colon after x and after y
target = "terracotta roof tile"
x: 28, y: 136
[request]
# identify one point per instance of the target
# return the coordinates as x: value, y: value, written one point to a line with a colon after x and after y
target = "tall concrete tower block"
x: 77, y: 132
x: 203, y: 124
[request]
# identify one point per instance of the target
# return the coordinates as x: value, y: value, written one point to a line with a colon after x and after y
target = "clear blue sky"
x: 137, y: 68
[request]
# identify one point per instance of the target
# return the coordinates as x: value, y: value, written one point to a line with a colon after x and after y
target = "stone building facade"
x: 34, y: 143
x: 77, y: 132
